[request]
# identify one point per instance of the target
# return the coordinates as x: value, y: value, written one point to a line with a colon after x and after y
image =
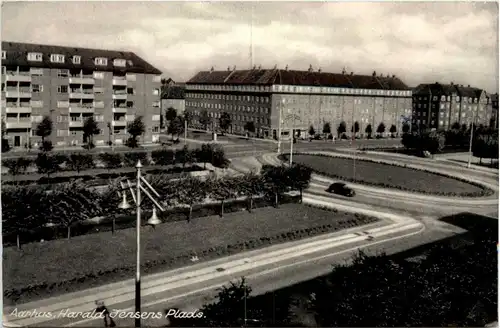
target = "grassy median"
x: 47, y: 269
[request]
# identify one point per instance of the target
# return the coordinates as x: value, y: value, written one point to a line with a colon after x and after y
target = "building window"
x: 99, y: 75
x: 35, y: 56
x: 36, y: 71
x: 4, y: 54
x: 119, y: 62
x: 156, y: 117
x: 62, y: 89
x: 57, y: 58
x: 76, y: 60
x: 36, y: 88
x: 156, y: 92
x: 101, y: 61
x: 130, y: 91
x: 63, y: 73
x: 156, y: 104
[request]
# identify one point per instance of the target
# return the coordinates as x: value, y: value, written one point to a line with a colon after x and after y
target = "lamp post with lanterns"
x: 153, y: 221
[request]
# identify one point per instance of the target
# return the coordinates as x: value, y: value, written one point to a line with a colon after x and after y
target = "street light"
x: 294, y: 117
x: 282, y: 106
x: 153, y: 221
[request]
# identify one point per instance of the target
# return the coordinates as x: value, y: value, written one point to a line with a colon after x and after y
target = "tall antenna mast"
x: 251, y: 36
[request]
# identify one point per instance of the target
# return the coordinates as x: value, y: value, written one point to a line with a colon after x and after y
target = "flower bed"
x: 390, y: 175
x: 62, y: 266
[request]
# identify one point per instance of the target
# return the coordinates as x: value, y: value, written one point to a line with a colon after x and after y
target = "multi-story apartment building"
x: 173, y: 96
x: 301, y: 98
x: 440, y: 106
x: 493, y: 104
x: 71, y: 84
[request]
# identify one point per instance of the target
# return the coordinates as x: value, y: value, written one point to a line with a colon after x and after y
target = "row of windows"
x: 300, y: 89
x: 448, y: 98
x: 77, y: 60
x: 251, y: 109
x: 227, y: 97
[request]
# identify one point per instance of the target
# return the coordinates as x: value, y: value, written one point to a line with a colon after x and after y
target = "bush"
x: 131, y: 159
x: 46, y: 146
x: 111, y: 160
x: 79, y: 161
x: 163, y: 157
x: 17, y: 165
x: 47, y: 164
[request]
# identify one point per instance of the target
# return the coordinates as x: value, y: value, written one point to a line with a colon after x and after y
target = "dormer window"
x: 101, y: 61
x: 130, y: 63
x: 35, y: 56
x: 4, y: 54
x: 77, y: 60
x: 119, y: 62
x: 57, y: 58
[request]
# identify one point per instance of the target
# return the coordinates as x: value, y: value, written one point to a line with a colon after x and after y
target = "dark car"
x: 340, y: 188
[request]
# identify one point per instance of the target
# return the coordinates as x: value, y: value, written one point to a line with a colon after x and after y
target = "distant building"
x: 440, y: 106
x: 72, y: 84
x: 301, y: 98
x: 493, y: 102
x: 174, y: 97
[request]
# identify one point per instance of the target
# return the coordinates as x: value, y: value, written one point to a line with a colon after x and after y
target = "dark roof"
x: 291, y: 77
x: 173, y: 92
x: 439, y: 89
x: 17, y: 56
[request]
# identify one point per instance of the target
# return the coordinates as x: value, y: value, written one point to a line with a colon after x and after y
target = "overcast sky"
x: 418, y: 41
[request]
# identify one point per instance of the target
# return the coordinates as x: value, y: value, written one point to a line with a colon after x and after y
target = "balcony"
x: 78, y: 79
x: 120, y: 95
x: 81, y: 109
x: 120, y: 110
x: 119, y: 123
x: 76, y: 124
x: 119, y: 80
x: 15, y: 109
x: 18, y: 93
x: 81, y: 94
x: 18, y: 124
x: 18, y: 76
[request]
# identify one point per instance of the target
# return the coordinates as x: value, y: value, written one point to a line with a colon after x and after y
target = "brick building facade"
x: 301, y: 98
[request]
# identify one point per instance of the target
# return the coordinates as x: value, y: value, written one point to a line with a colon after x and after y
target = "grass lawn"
x: 393, y: 176
x: 168, y: 245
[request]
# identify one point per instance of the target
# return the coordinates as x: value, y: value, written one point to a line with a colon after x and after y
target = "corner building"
x: 440, y: 106
x: 304, y: 98
x: 71, y: 84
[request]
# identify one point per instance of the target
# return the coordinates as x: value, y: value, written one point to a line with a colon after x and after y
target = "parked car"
x: 341, y: 188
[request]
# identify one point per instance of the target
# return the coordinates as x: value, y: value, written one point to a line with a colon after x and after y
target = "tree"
x: 188, y: 117
x: 17, y: 165
x: 300, y: 177
x: 205, y: 154
x: 78, y: 162
x: 65, y: 198
x: 409, y: 140
x: 204, y: 119
x: 184, y: 156
x: 312, y: 132
x: 251, y: 185
x: 221, y: 189
x: 171, y: 114
x: 163, y: 156
x: 111, y: 160
x: 250, y: 127
x: 393, y: 130
x: 327, y: 129
x: 341, y: 129
x: 368, y: 131
x: 406, y: 128
x: 189, y: 190
x: 432, y: 142
x: 22, y: 210
x: 135, y: 129
x: 225, y: 121
x: 44, y: 129
x: 455, y: 126
x: 5, y: 142
x: 131, y: 159
x: 176, y: 127
x: 275, y: 179
x: 381, y: 129
x: 90, y: 129
x: 219, y: 158
x: 47, y: 164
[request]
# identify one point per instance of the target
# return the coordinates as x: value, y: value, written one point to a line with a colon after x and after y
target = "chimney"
x: 393, y: 76
x: 319, y: 70
x: 286, y: 68
x: 310, y: 68
x: 211, y: 69
x: 468, y: 85
x: 374, y: 74
x: 352, y: 73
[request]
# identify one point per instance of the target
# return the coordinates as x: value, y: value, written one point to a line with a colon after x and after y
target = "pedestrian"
x: 108, y: 321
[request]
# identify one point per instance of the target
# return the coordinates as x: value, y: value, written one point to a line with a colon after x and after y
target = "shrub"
x: 163, y: 156
x: 111, y: 160
x: 17, y: 165
x: 47, y: 164
x: 131, y: 159
x: 79, y: 161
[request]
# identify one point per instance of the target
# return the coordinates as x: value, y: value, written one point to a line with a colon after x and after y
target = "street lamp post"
x: 293, y: 117
x: 153, y: 221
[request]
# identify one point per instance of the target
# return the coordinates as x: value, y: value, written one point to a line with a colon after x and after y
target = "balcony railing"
x: 122, y: 122
x: 18, y: 93
x: 81, y: 109
x: 120, y: 110
x: 24, y: 123
x: 120, y: 95
x: 82, y: 79
x: 76, y: 124
x: 81, y: 94
x: 14, y: 108
x: 18, y: 76
x: 119, y: 80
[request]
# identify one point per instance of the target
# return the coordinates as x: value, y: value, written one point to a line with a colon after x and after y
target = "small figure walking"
x: 108, y: 321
